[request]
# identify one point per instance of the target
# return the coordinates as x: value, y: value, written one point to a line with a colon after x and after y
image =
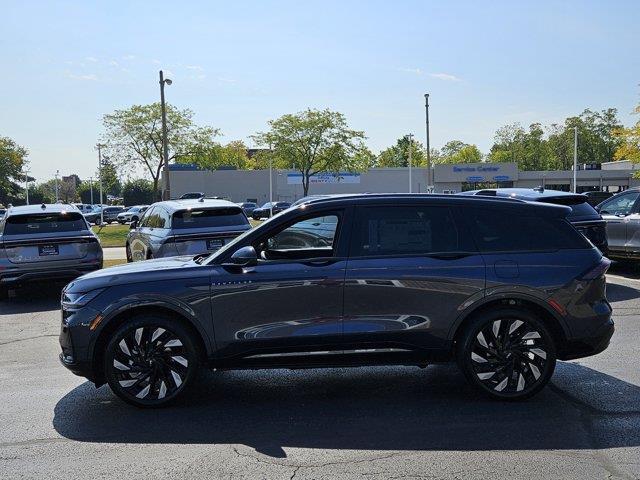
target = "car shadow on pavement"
x: 386, y: 408
x: 620, y: 293
x: 32, y: 298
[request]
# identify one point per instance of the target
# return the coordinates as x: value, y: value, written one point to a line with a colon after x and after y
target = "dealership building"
x: 254, y: 185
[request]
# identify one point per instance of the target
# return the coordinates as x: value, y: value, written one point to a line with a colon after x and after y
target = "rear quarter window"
x: 500, y: 230
x: 213, y: 217
x: 44, y: 223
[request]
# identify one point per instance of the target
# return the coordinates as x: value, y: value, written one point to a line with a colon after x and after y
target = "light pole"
x: 26, y: 185
x: 575, y: 159
x: 99, y: 147
x: 426, y: 107
x: 410, y: 136
x: 57, y: 195
x: 165, y: 145
x: 91, y: 188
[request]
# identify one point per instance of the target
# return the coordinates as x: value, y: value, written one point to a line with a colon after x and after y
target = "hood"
x: 146, y: 271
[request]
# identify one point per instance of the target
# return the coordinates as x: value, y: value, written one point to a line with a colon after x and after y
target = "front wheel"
x: 508, y: 353
x: 150, y: 360
x: 127, y: 249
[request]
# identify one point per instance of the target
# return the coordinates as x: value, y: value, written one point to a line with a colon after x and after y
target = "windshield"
x: 44, y: 223
x: 212, y: 217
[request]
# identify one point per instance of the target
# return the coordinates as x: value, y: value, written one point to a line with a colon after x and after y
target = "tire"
x: 127, y: 249
x: 151, y: 360
x: 507, y: 353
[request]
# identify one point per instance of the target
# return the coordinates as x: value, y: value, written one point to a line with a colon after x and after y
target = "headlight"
x: 79, y: 299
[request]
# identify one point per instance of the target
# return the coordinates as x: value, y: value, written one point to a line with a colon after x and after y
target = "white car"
x: 132, y: 214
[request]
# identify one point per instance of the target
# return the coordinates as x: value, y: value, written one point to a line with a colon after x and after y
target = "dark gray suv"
x: 504, y: 287
x: 45, y: 243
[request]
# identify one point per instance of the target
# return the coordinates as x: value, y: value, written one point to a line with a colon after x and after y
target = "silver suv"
x: 622, y: 214
x: 45, y: 242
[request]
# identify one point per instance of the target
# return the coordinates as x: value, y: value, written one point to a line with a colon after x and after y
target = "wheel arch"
x: 118, y: 318
x: 551, y: 320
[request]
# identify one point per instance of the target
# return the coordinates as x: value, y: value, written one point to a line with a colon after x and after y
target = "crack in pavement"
x: 29, y: 338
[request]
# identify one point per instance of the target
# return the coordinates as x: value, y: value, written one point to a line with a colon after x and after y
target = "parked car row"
x: 504, y: 287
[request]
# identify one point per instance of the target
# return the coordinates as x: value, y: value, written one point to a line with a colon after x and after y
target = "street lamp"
x: 410, y: 137
x: 426, y: 107
x: 99, y: 148
x: 165, y: 146
x: 91, y: 188
x: 26, y: 185
x: 56, y: 177
x: 575, y: 159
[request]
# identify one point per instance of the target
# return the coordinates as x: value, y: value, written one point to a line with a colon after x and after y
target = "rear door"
x: 46, y: 237
x: 619, y: 213
x: 410, y: 268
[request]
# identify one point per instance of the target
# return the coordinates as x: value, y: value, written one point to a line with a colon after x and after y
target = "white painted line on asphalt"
x: 623, y: 278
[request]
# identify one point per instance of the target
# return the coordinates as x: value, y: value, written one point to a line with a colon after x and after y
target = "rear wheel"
x: 509, y: 354
x: 150, y: 360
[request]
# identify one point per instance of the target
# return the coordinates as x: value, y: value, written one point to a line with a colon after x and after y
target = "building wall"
x: 241, y: 185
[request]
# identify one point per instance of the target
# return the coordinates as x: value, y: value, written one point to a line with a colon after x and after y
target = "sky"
x: 63, y: 65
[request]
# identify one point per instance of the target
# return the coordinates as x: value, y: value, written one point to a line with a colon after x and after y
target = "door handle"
x: 320, y: 263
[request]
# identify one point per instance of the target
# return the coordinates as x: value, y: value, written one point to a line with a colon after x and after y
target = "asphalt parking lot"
x: 342, y: 423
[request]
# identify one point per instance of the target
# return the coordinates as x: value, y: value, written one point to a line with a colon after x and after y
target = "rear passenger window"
x: 499, y: 230
x: 406, y: 230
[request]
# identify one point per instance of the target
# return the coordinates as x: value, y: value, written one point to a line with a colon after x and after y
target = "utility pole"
x: 271, y: 183
x: 91, y: 188
x: 575, y: 159
x: 165, y: 144
x: 429, y: 180
x: 99, y: 147
x: 57, y: 194
x: 26, y: 185
x: 410, y: 145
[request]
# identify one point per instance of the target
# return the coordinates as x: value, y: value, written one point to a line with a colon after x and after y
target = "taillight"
x: 599, y: 270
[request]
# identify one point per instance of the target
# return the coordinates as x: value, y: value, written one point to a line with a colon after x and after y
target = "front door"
x: 410, y: 268
x: 291, y: 302
x: 618, y: 212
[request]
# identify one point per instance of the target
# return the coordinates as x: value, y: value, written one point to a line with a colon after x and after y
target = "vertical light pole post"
x: 26, y: 185
x: 575, y: 159
x: 57, y: 194
x: 99, y: 147
x: 165, y: 144
x: 410, y: 136
x: 270, y: 187
x: 91, y: 188
x: 426, y: 107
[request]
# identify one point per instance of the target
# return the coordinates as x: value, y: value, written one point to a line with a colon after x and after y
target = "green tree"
x: 12, y: 161
x: 456, y: 151
x: 213, y: 156
x: 398, y: 154
x: 313, y: 142
x: 137, y: 192
x: 629, y: 142
x: 529, y: 149
x: 134, y: 138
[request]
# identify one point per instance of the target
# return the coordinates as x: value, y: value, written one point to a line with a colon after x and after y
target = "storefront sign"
x: 343, y: 177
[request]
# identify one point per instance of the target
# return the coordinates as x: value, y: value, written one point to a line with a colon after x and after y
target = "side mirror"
x: 243, y: 257
x: 133, y: 225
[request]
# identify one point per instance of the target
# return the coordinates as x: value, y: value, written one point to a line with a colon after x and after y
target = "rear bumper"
x: 27, y: 275
x: 595, y: 343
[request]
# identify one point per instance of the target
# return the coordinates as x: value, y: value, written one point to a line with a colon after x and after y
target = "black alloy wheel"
x: 508, y: 354
x: 150, y: 360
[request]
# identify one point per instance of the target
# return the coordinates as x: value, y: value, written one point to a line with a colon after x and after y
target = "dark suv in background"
x: 501, y: 286
x: 583, y: 216
x: 184, y: 227
x: 45, y: 243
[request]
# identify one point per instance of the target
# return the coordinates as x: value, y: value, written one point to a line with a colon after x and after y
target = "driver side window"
x: 310, y: 238
x: 621, y: 205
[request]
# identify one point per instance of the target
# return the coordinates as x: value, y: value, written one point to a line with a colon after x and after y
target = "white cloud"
x: 195, y: 67
x: 445, y: 76
x: 91, y: 59
x: 417, y: 71
x: 226, y: 80
x: 87, y: 77
x: 129, y: 57
x: 156, y: 61
x: 113, y: 63
x: 200, y: 76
